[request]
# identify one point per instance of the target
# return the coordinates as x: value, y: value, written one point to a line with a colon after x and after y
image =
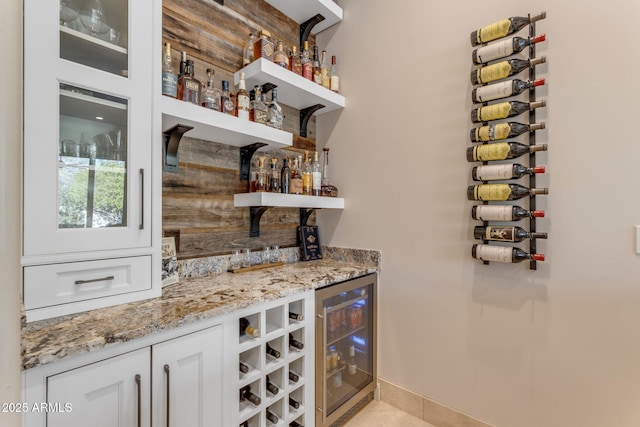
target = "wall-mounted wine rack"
x: 530, y: 136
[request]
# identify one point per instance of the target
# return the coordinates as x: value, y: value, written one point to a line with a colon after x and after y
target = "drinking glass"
x: 92, y: 16
x: 246, y: 257
x: 69, y: 10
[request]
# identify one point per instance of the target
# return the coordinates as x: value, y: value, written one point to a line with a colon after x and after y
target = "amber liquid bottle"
x: 189, y: 87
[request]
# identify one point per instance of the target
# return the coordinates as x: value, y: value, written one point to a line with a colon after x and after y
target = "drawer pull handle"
x: 141, y: 226
x: 168, y: 403
x: 102, y: 279
x: 138, y: 383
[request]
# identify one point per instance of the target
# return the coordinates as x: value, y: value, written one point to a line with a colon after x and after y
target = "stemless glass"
x: 235, y: 261
x: 275, y: 253
x: 69, y: 10
x: 246, y: 257
x: 266, y: 255
x: 92, y: 16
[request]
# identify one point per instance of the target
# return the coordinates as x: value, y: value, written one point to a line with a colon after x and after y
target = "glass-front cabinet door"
x: 88, y: 114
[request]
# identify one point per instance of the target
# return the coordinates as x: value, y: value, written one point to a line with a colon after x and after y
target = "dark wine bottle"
x: 502, y: 192
x: 505, y: 233
x: 503, y: 28
x: 501, y: 151
x: 295, y: 316
x: 273, y: 418
x: 294, y: 403
x: 500, y: 131
x: 295, y: 343
x: 246, y: 328
x: 244, y: 368
x: 502, y: 254
x: 503, y: 48
x: 246, y: 394
x: 285, y: 176
x: 503, y: 69
x: 293, y: 377
x: 503, y: 89
x: 503, y: 110
x: 271, y: 387
x: 503, y: 213
x: 272, y: 351
x: 503, y: 171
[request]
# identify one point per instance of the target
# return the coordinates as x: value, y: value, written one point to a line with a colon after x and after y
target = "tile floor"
x: 381, y: 414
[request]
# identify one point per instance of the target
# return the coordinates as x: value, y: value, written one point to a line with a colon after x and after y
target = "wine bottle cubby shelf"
x: 530, y: 136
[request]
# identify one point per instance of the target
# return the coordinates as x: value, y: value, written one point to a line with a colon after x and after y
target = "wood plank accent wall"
x: 197, y: 200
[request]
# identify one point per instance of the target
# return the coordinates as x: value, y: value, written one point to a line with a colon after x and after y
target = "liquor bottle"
x: 501, y: 151
x: 503, y: 213
x: 285, y: 177
x: 189, y: 87
x: 271, y: 387
x: 252, y: 103
x: 294, y: 61
x: 317, y: 77
x: 272, y: 351
x: 263, y: 46
x: 210, y: 97
x: 183, y: 63
x: 247, y: 52
x: 505, y: 233
x: 225, y: 99
x: 325, y: 78
x: 274, y: 111
x: 334, y: 77
x: 274, y: 178
x: 503, y: 89
x: 242, y: 99
x: 273, y: 418
x: 246, y: 328
x: 503, y: 28
x: 246, y: 394
x: 296, y: 177
x: 169, y: 77
x: 352, y: 367
x: 295, y: 343
x: 293, y: 377
x: 296, y: 316
x: 503, y: 69
x: 244, y: 368
x: 504, y: 48
x: 295, y: 424
x: 307, y: 177
x: 279, y: 56
x: 503, y: 171
x: 316, y: 176
x: 259, y: 107
x: 294, y: 403
x: 502, y: 131
x: 502, y: 254
x: 262, y: 177
x: 326, y: 188
x: 502, y: 192
x: 503, y: 110
x: 307, y: 66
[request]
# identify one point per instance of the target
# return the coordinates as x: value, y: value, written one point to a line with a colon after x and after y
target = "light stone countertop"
x: 190, y: 300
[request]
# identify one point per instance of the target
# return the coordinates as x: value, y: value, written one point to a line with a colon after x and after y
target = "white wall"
x: 559, y: 346
x: 10, y: 184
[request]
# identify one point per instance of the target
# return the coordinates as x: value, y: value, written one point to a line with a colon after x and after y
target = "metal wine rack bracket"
x: 246, y: 153
x: 255, y: 215
x: 172, y: 138
x: 305, y: 115
x: 307, y: 26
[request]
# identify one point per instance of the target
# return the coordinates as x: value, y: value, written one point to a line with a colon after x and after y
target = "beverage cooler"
x: 346, y: 373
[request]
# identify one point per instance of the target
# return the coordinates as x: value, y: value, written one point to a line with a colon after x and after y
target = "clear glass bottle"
x: 316, y: 176
x: 324, y: 70
x: 274, y: 112
x: 189, y: 87
x: 307, y: 178
x: 254, y: 96
x: 307, y: 66
x: 327, y: 189
x: 334, y: 77
x: 226, y: 101
x: 274, y: 178
x: 296, y: 176
x: 279, y: 56
x: 295, y: 61
x: 247, y: 52
x: 317, y: 77
x: 242, y: 98
x: 262, y: 177
x: 259, y: 107
x: 210, y: 95
x: 169, y: 76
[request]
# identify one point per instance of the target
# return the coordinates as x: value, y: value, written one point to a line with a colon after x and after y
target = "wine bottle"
x: 296, y: 316
x: 246, y: 328
x: 271, y: 387
x: 505, y: 233
x: 503, y: 69
x: 502, y: 254
x: 295, y: 343
x: 285, y: 176
x: 502, y: 131
x: 502, y: 192
x: 246, y: 394
x: 503, y: 89
x: 273, y: 418
x: 501, y: 151
x: 503, y: 171
x: 503, y: 48
x: 503, y: 110
x: 294, y: 403
x: 293, y: 377
x: 244, y: 368
x: 272, y: 351
x: 503, y: 28
x: 503, y: 213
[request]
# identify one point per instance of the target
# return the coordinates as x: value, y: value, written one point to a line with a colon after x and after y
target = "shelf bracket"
x: 255, y: 214
x: 305, y: 214
x: 305, y: 115
x: 306, y: 26
x: 246, y: 153
x: 172, y: 138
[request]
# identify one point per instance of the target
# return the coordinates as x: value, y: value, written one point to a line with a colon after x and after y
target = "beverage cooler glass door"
x: 346, y: 346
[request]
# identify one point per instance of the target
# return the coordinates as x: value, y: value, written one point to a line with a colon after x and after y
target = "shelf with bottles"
x: 280, y: 200
x: 293, y: 89
x: 303, y: 10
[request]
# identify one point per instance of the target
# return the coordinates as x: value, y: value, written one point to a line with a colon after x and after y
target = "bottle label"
x: 494, y: 172
x: 498, y: 192
x: 324, y: 76
x: 307, y: 71
x: 493, y: 253
x: 494, y: 51
x: 296, y: 186
x: 494, y: 91
x: 498, y: 71
x: 486, y: 152
x: 334, y: 84
x: 243, y: 107
x: 494, y: 112
x: 316, y: 178
x: 493, y: 132
x: 494, y: 213
x: 169, y: 84
x: 503, y: 234
x: 307, y: 181
x: 494, y: 31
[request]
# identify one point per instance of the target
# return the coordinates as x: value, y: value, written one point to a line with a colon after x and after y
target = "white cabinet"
x: 89, y: 144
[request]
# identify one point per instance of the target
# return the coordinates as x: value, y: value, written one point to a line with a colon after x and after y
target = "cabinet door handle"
x: 139, y: 400
x: 101, y: 279
x: 168, y: 403
x: 141, y: 226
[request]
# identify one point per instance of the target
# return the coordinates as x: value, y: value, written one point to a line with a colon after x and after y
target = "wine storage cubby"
x: 273, y: 365
x: 505, y: 100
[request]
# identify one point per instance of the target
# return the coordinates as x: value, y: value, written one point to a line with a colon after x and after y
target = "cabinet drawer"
x: 48, y: 285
